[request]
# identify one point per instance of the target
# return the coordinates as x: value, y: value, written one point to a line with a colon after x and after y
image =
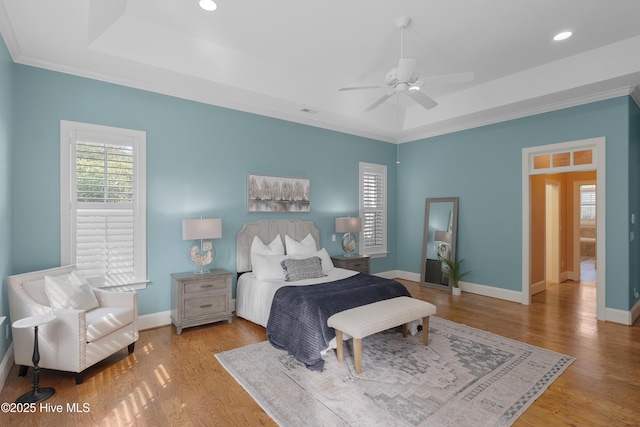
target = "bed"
x: 295, y: 311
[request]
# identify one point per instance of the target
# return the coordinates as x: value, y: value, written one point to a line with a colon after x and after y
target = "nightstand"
x: 355, y: 262
x: 198, y: 299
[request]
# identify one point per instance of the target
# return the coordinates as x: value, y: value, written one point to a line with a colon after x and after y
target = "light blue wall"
x: 198, y: 158
x: 5, y: 185
x: 482, y: 167
x: 634, y: 201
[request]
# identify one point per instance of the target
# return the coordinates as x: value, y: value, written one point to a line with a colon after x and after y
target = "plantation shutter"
x: 104, y: 177
x: 373, y: 221
x: 373, y: 209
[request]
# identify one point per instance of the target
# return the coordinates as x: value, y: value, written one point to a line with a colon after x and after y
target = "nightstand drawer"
x: 359, y: 266
x: 205, y: 306
x: 358, y: 263
x: 209, y: 285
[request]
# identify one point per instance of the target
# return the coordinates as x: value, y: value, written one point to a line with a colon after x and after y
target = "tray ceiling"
x: 287, y: 59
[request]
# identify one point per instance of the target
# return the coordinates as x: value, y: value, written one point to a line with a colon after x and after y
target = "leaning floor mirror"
x: 439, y: 241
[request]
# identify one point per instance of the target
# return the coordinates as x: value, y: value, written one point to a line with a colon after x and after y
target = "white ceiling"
x: 277, y: 58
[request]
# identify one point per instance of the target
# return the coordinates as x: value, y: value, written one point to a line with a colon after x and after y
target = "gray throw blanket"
x: 298, y: 319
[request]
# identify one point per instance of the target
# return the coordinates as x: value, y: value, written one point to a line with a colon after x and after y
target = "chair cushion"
x: 105, y: 320
x: 66, y: 293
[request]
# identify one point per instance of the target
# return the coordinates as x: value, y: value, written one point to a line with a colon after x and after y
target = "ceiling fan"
x: 405, y: 79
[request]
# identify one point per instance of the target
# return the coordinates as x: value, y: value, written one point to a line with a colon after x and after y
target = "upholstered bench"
x: 360, y: 322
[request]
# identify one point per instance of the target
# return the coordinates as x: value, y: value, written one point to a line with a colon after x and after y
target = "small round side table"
x: 37, y: 394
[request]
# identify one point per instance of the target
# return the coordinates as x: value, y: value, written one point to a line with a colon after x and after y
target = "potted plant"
x: 455, y: 273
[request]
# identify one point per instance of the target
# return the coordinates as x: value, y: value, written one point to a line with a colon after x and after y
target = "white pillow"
x: 268, y: 267
x: 78, y: 278
x: 327, y: 264
x: 305, y: 246
x: 65, y: 294
x: 259, y: 248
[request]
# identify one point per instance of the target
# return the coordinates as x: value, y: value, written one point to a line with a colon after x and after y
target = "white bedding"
x: 254, y: 297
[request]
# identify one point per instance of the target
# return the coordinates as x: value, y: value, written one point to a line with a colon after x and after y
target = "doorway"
x: 576, y: 156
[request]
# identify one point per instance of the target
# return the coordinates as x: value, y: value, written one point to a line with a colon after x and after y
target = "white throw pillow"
x: 327, y: 264
x: 268, y: 267
x: 305, y: 246
x: 65, y: 294
x: 78, y: 278
x: 259, y: 248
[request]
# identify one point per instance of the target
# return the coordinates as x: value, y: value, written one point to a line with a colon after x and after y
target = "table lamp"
x: 349, y: 226
x: 201, y: 254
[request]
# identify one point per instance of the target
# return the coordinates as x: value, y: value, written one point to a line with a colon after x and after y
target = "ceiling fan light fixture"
x: 562, y: 36
x: 414, y: 88
x: 208, y: 5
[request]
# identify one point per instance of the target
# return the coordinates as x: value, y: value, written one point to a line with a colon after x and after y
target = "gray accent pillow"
x: 300, y: 269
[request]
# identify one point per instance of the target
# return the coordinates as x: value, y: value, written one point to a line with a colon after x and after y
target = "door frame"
x: 554, y: 232
x: 598, y: 146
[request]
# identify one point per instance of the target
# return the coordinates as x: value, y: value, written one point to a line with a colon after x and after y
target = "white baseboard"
x: 6, y: 365
x: 491, y: 291
x: 154, y: 320
x: 621, y: 316
x: 399, y: 274
x: 473, y: 288
x: 611, y: 314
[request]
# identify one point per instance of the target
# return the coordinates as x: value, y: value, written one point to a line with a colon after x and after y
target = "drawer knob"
x: 206, y: 306
x: 206, y: 286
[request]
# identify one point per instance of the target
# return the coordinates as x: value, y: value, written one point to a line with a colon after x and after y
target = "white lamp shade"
x: 196, y: 229
x: 443, y: 236
x: 348, y: 225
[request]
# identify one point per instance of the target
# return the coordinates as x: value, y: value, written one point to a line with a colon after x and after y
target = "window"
x: 103, y: 202
x: 373, y: 209
x: 588, y: 203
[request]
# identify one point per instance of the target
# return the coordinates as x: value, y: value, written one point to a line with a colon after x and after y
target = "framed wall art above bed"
x: 278, y: 194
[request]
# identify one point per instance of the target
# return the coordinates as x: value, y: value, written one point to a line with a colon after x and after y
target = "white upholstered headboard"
x: 267, y: 230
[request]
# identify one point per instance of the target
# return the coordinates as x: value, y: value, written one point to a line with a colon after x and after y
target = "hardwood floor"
x: 176, y: 380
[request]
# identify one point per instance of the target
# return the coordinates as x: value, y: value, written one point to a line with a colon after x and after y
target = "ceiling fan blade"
x: 422, y: 99
x: 360, y: 87
x: 379, y: 101
x: 406, y: 67
x: 450, y: 78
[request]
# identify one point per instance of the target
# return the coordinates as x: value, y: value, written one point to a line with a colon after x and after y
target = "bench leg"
x: 425, y: 330
x: 339, y: 345
x: 357, y: 354
x: 405, y: 330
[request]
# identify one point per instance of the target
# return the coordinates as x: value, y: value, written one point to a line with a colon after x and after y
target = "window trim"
x: 68, y: 130
x: 379, y: 169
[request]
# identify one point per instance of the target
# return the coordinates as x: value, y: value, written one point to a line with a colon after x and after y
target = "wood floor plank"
x: 176, y: 380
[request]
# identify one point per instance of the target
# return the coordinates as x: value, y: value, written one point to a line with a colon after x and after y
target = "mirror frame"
x: 454, y: 232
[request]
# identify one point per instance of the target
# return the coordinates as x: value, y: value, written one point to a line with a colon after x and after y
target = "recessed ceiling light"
x: 562, y: 36
x: 208, y: 5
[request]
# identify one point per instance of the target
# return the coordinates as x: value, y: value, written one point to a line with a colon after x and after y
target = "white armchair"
x: 75, y: 339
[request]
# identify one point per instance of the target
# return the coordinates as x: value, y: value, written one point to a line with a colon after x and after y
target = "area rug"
x: 464, y: 377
